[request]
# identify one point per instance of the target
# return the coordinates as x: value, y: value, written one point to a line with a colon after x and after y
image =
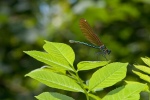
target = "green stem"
x: 82, y: 85
x: 95, y: 97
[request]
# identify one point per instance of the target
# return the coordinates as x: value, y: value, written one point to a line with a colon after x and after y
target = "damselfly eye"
x: 108, y: 51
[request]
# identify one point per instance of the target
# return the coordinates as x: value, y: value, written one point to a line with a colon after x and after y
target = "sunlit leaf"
x: 53, y: 96
x: 142, y: 76
x: 87, y: 65
x: 146, y: 60
x: 49, y: 59
x: 143, y: 68
x: 55, y: 80
x: 131, y: 91
x: 61, y: 51
x: 54, y: 69
x: 107, y: 76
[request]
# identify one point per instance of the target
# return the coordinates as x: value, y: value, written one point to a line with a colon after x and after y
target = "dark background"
x: 122, y: 25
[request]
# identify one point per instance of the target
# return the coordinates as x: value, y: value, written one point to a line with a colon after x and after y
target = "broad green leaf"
x: 60, y: 50
x: 142, y: 76
x: 49, y: 59
x: 55, y: 80
x: 143, y: 68
x: 107, y: 76
x: 131, y: 91
x: 54, y: 69
x: 53, y: 96
x: 146, y: 60
x: 87, y: 65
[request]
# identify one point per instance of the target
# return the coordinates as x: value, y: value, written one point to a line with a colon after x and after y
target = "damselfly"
x: 91, y: 37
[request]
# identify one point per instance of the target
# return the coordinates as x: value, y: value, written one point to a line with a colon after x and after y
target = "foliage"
x: 145, y: 69
x: 122, y: 25
x: 52, y: 96
x: 59, y: 56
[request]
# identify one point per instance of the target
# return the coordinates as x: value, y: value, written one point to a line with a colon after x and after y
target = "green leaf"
x: 54, y: 69
x: 55, y: 80
x: 143, y: 68
x: 61, y: 51
x: 87, y: 65
x: 49, y: 59
x: 107, y: 76
x: 129, y: 92
x: 53, y: 96
x: 142, y: 76
x: 146, y: 60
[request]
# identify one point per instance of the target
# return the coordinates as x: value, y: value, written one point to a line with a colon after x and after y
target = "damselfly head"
x: 104, y: 49
x: 108, y: 51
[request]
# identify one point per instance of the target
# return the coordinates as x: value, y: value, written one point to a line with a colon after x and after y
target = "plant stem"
x: 80, y: 81
x: 95, y: 97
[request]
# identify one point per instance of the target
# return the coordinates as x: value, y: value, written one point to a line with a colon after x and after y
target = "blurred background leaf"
x: 123, y: 26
